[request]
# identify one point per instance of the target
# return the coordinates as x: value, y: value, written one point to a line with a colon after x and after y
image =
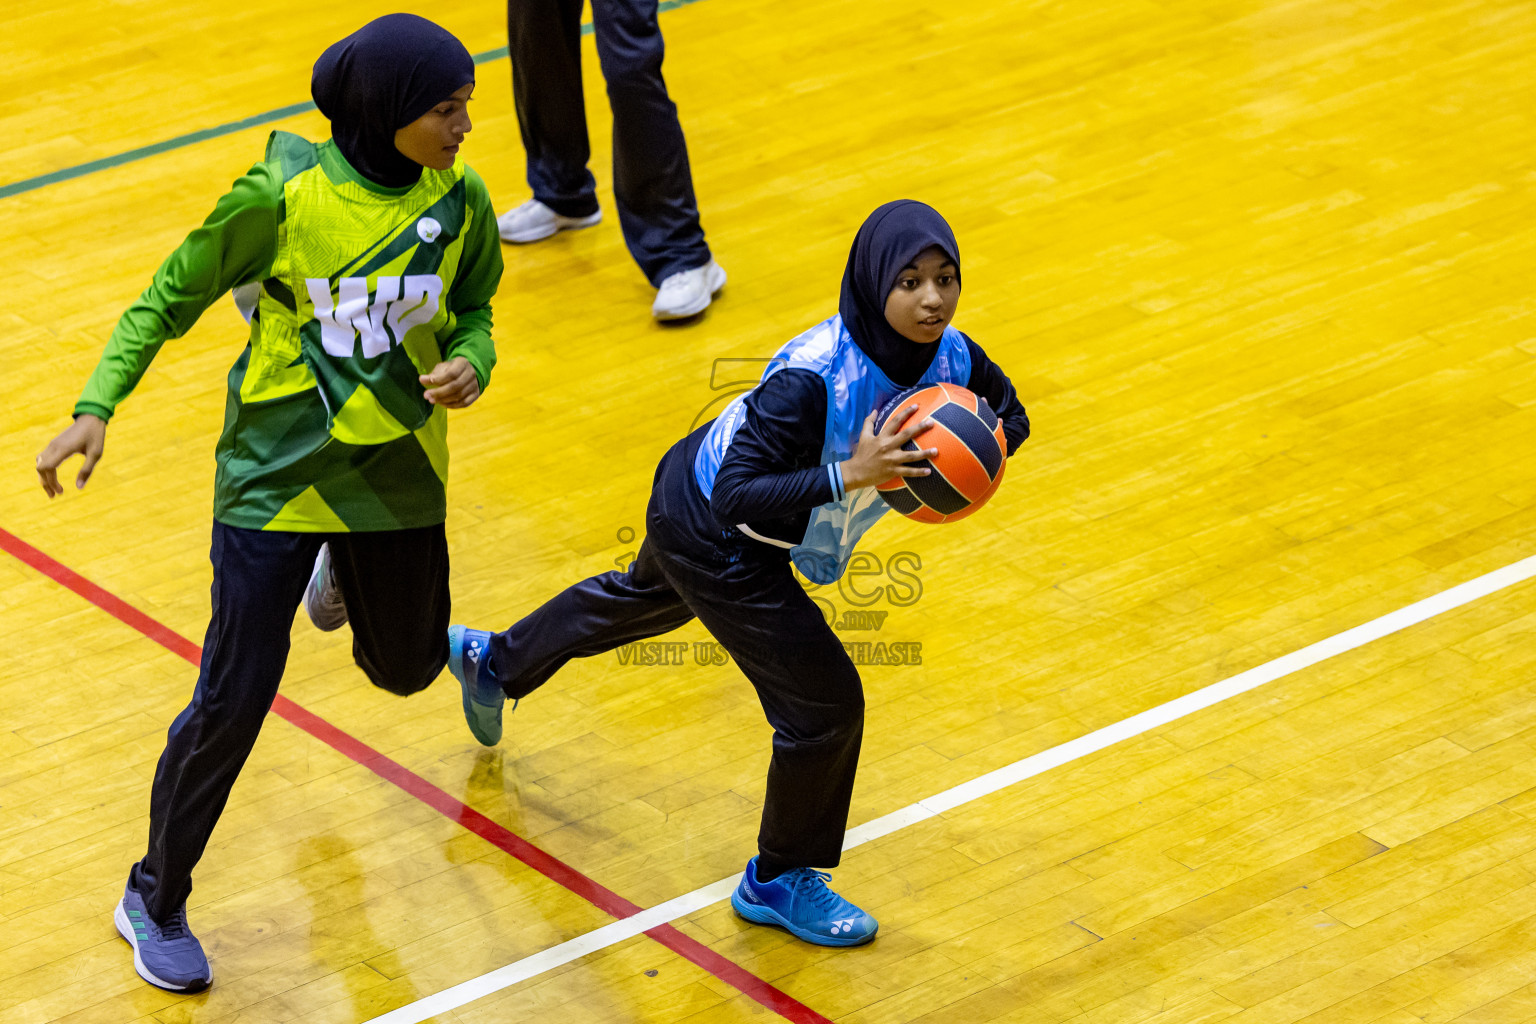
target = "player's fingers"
x: 469, y: 385
x: 450, y: 381
x: 894, y: 425
x: 92, y: 456
x: 908, y: 433
x: 913, y: 471
x: 457, y: 393
x: 471, y: 392
x: 47, y: 465
x: 914, y: 454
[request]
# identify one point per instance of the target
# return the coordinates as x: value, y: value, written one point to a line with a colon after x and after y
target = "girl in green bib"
x: 366, y: 266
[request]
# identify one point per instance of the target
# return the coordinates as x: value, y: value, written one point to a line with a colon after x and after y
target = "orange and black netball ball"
x: 972, y: 453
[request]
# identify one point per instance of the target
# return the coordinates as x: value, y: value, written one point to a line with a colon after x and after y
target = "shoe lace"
x: 811, y: 885
x: 474, y: 653
x: 175, y: 926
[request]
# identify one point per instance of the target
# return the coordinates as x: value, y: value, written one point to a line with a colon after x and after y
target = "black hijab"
x: 890, y: 238
x: 381, y: 78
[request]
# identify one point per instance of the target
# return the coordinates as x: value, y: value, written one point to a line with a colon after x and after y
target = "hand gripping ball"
x: 972, y: 453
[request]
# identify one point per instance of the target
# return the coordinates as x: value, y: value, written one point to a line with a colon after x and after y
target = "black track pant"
x: 652, y: 182
x: 395, y: 585
x: 808, y: 687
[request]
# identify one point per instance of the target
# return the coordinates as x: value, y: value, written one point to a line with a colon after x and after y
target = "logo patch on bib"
x: 428, y: 229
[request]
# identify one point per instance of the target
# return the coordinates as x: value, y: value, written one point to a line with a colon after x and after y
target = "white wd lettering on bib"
x: 399, y: 305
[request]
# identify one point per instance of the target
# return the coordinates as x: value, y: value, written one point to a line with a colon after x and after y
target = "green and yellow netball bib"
x: 328, y: 426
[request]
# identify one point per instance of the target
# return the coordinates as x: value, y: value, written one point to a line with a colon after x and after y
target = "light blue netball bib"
x: 855, y: 387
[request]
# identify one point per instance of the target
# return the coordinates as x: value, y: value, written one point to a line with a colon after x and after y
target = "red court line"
x: 392, y: 771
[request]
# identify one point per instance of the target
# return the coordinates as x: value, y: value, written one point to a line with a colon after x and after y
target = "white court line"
x: 608, y: 935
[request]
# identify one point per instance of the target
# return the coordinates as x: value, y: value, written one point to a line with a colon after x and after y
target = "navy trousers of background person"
x: 808, y: 687
x: 395, y: 584
x: 652, y: 183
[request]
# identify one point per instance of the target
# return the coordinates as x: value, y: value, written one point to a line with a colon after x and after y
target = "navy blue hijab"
x: 890, y: 238
x: 381, y: 78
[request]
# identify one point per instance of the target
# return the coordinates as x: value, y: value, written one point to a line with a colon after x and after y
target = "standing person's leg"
x: 813, y: 698
x: 544, y: 41
x: 589, y: 618
x: 258, y: 578
x: 652, y: 182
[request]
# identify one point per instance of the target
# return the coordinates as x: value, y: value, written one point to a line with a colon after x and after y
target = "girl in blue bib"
x: 783, y: 477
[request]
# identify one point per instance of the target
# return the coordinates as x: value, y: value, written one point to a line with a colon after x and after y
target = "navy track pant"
x: 652, y: 182
x: 808, y: 687
x: 395, y: 584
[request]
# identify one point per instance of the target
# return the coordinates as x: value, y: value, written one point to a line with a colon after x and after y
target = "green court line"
x: 202, y: 135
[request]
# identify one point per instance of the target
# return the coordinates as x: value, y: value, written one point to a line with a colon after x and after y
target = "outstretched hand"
x: 881, y: 456
x: 452, y: 385
x: 86, y: 436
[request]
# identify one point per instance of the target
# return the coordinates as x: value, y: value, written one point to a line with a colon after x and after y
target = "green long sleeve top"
x: 352, y: 291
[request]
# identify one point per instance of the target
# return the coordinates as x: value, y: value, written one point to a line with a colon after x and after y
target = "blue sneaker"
x: 800, y: 902
x: 469, y: 653
x: 167, y: 955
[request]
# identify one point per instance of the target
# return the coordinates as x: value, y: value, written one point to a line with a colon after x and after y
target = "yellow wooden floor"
x: 1261, y: 271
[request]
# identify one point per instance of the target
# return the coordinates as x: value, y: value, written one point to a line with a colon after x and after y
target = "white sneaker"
x: 322, y: 597
x: 533, y: 221
x: 688, y: 292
